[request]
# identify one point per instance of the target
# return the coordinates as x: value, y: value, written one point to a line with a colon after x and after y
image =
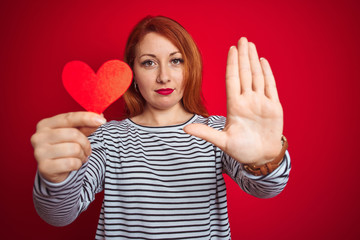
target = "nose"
x: 164, y: 74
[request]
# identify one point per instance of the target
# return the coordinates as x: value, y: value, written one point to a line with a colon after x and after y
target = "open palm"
x: 254, y: 124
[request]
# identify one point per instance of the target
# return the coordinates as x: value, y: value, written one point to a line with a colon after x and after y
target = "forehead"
x: 154, y: 43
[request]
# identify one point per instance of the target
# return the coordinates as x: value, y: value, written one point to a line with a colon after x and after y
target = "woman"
x: 161, y: 168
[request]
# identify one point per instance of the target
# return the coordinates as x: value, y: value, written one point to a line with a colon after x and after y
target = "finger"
x: 72, y: 119
x: 87, y: 131
x: 256, y: 70
x: 270, y: 85
x: 207, y: 133
x: 232, y: 74
x: 62, y: 135
x: 59, y: 166
x: 244, y: 65
x: 61, y: 150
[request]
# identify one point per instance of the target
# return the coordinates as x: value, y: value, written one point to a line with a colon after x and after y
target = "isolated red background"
x: 313, y: 48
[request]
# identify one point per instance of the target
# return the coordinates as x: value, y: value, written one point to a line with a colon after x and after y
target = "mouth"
x: 164, y: 91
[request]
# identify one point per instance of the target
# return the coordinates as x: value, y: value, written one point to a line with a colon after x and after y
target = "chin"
x: 165, y: 106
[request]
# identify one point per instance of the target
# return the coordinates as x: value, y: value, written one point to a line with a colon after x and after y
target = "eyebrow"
x: 152, y: 55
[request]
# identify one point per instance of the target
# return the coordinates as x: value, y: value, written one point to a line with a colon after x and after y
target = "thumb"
x: 207, y: 133
x: 87, y: 131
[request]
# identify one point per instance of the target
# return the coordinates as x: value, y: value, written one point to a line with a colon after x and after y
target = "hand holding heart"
x: 254, y: 124
x: 60, y: 142
x: 61, y: 145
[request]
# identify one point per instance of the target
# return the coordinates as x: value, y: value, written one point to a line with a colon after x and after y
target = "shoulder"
x: 214, y: 121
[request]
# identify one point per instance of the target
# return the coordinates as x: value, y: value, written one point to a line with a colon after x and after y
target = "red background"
x: 312, y: 47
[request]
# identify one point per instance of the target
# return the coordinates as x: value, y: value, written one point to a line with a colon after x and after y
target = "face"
x: 158, y: 71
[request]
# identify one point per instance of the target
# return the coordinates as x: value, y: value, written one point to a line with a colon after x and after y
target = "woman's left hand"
x: 254, y: 125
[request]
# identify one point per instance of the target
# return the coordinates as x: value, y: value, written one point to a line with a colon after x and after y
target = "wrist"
x: 266, y: 167
x: 268, y: 159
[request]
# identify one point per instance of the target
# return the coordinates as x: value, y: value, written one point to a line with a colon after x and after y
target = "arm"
x: 59, y: 203
x: 61, y: 194
x: 267, y: 186
x: 254, y: 124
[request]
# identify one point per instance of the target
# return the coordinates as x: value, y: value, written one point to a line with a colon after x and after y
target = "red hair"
x: 192, y: 99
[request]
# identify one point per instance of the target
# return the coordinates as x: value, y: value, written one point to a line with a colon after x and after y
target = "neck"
x: 157, y: 117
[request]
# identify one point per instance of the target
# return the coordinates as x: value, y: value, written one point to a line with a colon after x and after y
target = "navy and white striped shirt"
x: 158, y: 183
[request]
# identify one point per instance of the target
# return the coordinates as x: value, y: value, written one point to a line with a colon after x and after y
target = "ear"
x: 136, y: 86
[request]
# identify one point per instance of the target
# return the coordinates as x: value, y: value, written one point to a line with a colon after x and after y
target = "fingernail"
x: 232, y: 47
x: 100, y: 120
x: 262, y: 58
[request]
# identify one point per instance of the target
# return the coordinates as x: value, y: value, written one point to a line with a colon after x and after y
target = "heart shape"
x: 95, y: 92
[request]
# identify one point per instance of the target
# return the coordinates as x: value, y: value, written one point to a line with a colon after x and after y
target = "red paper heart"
x: 95, y: 92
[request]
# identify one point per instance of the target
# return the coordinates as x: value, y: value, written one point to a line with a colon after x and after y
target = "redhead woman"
x: 161, y: 167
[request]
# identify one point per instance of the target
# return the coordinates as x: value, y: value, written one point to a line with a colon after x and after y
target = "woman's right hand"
x: 61, y: 144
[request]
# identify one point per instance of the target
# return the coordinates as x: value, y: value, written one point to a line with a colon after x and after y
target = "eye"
x: 177, y: 61
x: 148, y: 63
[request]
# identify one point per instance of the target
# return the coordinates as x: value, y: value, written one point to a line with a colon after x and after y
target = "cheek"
x: 141, y: 77
x: 178, y: 76
x: 181, y: 81
x: 144, y: 86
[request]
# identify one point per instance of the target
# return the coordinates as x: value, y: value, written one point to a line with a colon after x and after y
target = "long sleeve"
x: 267, y: 186
x: 59, y: 204
x: 158, y: 180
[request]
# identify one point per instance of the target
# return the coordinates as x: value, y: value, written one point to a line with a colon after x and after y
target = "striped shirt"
x: 158, y: 183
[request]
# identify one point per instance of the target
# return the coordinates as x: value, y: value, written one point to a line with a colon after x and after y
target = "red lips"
x: 164, y: 91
